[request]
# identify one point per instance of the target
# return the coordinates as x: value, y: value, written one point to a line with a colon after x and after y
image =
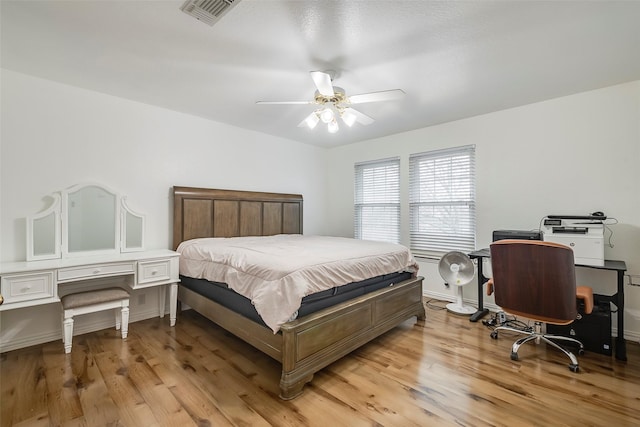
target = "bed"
x: 311, y: 341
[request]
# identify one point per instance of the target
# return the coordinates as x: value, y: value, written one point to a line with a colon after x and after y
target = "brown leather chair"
x: 536, y: 280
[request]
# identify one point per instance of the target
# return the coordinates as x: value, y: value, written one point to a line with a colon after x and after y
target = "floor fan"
x: 457, y: 269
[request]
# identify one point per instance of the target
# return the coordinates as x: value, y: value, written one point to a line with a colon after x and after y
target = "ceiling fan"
x: 333, y: 101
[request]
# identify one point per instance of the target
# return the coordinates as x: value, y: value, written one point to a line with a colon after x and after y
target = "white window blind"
x: 442, y: 208
x: 377, y: 200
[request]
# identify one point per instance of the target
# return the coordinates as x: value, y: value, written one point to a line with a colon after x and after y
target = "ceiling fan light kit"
x: 311, y: 121
x: 348, y: 117
x: 332, y: 126
x: 327, y: 116
x: 334, y: 102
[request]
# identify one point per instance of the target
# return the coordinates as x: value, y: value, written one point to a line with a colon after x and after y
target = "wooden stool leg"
x: 125, y: 321
x: 68, y: 331
x: 118, y: 319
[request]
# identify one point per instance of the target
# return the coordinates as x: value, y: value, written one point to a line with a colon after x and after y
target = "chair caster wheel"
x: 581, y: 352
x: 494, y: 335
x: 514, y: 355
x: 574, y: 368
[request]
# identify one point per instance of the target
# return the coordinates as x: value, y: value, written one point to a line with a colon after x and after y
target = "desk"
x: 26, y: 284
x: 618, y: 298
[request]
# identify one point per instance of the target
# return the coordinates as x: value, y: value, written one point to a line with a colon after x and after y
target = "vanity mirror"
x: 86, y: 219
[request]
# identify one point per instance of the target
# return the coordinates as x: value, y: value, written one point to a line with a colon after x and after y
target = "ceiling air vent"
x: 208, y: 11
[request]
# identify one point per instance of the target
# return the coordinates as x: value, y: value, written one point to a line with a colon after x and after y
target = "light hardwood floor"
x: 443, y: 371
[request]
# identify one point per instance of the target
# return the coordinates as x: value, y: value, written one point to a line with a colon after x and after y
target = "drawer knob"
x: 96, y: 271
x: 1, y: 299
x: 154, y: 272
x: 26, y: 288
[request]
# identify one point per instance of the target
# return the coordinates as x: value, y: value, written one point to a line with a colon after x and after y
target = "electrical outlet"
x: 142, y: 299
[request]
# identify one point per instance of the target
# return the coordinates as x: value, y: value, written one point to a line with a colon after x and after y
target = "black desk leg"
x: 481, y: 310
x: 621, y: 344
x: 479, y: 315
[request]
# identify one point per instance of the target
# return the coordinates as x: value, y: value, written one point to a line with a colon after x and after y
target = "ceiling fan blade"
x: 322, y: 82
x: 385, y: 95
x: 361, y: 118
x: 284, y: 102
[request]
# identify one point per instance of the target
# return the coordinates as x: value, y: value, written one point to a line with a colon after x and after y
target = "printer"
x: 584, y: 234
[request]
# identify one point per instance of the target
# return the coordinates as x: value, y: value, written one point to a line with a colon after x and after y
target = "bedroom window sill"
x: 428, y: 257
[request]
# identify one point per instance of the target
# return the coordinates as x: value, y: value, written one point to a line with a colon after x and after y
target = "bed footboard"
x: 319, y: 339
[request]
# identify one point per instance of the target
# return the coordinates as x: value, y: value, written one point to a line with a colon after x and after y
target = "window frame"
x: 383, y: 196
x: 450, y: 188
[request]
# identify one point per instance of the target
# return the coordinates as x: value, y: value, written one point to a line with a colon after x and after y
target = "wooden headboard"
x: 204, y: 212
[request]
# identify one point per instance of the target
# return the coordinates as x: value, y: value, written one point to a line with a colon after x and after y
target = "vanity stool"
x: 91, y: 302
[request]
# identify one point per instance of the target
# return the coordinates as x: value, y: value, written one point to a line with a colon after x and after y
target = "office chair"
x: 536, y: 280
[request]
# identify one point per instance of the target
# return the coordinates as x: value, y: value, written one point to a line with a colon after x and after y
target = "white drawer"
x: 154, y: 271
x: 27, y: 287
x: 71, y: 274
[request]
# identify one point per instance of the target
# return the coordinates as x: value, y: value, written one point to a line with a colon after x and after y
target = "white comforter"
x: 276, y: 272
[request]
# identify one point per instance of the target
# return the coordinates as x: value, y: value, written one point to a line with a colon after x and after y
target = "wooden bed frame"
x: 305, y: 345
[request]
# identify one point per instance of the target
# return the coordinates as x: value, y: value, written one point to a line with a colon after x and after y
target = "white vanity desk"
x: 86, y: 239
x: 25, y: 284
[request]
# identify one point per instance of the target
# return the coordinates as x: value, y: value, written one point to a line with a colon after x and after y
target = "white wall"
x: 572, y: 155
x: 54, y: 136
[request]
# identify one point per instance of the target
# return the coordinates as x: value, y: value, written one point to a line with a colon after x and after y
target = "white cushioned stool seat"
x: 91, y: 302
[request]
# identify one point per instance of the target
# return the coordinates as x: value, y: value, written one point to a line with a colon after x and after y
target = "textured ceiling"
x: 453, y: 59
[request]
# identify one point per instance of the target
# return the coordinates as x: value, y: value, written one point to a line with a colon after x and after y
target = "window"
x: 377, y: 200
x: 442, y: 209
